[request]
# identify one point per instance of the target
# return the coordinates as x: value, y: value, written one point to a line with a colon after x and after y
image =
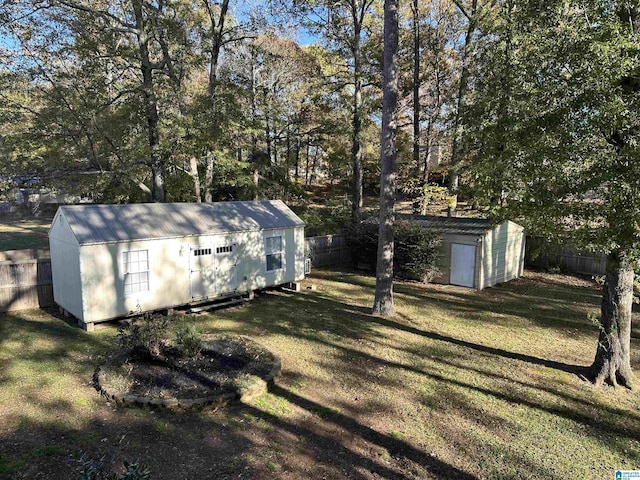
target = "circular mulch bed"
x: 228, y: 368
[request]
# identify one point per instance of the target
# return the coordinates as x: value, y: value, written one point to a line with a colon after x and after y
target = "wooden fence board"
x: 541, y: 255
x: 327, y: 250
x: 25, y: 280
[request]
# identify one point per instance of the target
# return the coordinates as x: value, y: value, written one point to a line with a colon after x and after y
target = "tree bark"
x: 383, y: 302
x: 156, y: 162
x: 216, y: 32
x: 297, y: 159
x: 356, y: 122
x: 462, y: 92
x: 208, y: 177
x: 306, y: 170
x: 314, y: 166
x: 416, y: 85
x: 193, y: 170
x: 612, y: 363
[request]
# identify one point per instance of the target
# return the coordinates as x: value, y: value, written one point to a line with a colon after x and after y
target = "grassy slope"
x: 459, y: 384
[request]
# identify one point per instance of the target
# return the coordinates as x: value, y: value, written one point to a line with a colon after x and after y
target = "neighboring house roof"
x: 452, y: 225
x: 144, y: 221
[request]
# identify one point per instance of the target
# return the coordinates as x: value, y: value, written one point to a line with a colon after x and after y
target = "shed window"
x: 273, y: 249
x: 136, y: 271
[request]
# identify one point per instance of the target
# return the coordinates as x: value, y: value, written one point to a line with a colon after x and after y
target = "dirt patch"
x: 227, y: 367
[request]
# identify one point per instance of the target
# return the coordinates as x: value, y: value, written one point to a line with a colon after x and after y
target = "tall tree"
x: 383, y: 302
x: 558, y: 142
x: 343, y: 25
x: 474, y: 13
x: 113, y: 71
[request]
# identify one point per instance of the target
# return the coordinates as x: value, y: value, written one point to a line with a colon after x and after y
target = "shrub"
x: 187, y: 339
x: 145, y: 337
x: 416, y: 249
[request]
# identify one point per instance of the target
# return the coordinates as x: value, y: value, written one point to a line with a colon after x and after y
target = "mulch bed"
x: 227, y: 366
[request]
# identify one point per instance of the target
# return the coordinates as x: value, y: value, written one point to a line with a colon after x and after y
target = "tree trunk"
x: 612, y: 363
x: 356, y: 123
x: 297, y: 159
x: 193, y: 170
x: 306, y: 170
x: 254, y: 107
x: 383, y: 303
x: 267, y: 132
x: 462, y: 92
x: 216, y: 32
x: 256, y: 182
x: 314, y: 166
x: 208, y: 177
x: 416, y: 85
x: 156, y: 162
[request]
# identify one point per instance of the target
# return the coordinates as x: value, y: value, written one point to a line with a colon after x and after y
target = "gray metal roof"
x: 452, y: 225
x: 143, y: 221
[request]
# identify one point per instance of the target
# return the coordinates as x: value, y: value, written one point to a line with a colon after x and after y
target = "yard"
x: 32, y: 232
x: 459, y: 384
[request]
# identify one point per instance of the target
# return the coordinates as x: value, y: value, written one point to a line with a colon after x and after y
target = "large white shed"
x: 474, y: 252
x: 110, y: 261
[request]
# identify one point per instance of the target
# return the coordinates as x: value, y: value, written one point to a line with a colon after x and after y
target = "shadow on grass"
x: 357, y: 319
x: 395, y: 447
x: 353, y: 321
x: 580, y: 371
x: 539, y: 300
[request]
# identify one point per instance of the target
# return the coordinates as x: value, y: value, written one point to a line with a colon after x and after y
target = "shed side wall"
x: 169, y: 270
x: 103, y: 278
x: 299, y: 253
x: 503, y: 257
x: 65, y: 267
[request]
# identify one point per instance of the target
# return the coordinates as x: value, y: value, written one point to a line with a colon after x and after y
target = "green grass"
x: 21, y: 234
x: 458, y: 384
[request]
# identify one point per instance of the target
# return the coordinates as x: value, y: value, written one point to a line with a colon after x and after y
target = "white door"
x: 201, y: 272
x: 226, y: 278
x: 463, y: 262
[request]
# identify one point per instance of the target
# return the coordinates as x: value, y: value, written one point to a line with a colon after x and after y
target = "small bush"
x: 188, y: 340
x: 416, y: 249
x: 145, y: 337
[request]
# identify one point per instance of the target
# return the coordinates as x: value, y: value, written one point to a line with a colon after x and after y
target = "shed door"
x: 226, y: 262
x: 202, y: 273
x: 463, y: 263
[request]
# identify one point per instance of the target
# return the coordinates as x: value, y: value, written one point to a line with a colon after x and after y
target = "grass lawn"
x: 26, y: 233
x: 458, y: 384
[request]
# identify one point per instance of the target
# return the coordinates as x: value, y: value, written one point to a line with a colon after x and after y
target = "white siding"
x: 169, y: 283
x: 65, y: 267
x: 299, y: 254
x: 503, y: 254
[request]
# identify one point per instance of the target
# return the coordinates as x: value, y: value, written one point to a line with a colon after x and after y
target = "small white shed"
x: 476, y: 253
x: 110, y: 261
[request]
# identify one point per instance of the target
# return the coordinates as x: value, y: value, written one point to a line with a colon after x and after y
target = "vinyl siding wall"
x: 65, y: 267
x: 503, y: 254
x: 169, y: 270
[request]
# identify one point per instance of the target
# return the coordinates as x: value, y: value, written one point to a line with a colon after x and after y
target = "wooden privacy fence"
x: 327, y: 250
x: 541, y: 255
x: 25, y: 280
